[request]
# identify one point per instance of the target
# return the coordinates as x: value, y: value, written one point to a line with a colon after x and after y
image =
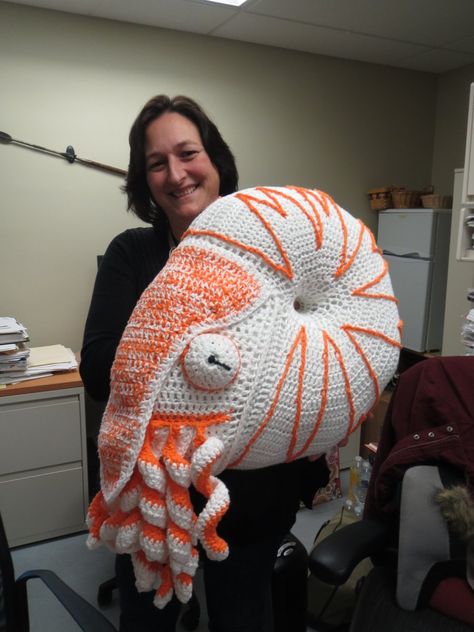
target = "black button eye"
x: 211, y: 361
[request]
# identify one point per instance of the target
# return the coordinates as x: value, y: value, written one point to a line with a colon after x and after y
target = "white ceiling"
x: 427, y: 35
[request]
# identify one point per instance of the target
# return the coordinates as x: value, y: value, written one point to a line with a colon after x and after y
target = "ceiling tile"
x: 430, y: 35
x: 437, y: 60
x: 430, y: 22
x: 464, y: 46
x: 183, y: 15
x: 314, y: 39
x: 83, y: 7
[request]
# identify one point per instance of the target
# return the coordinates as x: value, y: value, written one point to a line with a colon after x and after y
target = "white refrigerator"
x: 415, y: 243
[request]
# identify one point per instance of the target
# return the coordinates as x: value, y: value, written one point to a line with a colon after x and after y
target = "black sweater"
x: 129, y: 265
x: 263, y: 500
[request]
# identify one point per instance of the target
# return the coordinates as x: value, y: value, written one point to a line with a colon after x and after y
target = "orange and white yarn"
x: 268, y: 336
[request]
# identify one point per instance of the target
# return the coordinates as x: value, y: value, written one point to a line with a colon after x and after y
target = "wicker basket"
x: 435, y: 200
x: 404, y: 198
x: 380, y: 199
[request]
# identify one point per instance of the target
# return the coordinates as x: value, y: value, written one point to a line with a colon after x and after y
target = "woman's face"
x: 181, y: 177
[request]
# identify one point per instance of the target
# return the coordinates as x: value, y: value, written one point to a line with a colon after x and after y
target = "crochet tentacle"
x: 183, y: 557
x: 96, y: 515
x: 202, y: 463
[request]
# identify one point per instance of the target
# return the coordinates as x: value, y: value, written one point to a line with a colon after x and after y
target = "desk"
x: 43, y: 458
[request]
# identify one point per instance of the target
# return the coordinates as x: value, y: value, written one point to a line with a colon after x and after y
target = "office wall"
x: 460, y: 279
x: 449, y: 149
x: 452, y: 104
x: 290, y: 118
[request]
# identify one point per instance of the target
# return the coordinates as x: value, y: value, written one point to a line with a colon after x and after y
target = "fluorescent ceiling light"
x: 234, y: 3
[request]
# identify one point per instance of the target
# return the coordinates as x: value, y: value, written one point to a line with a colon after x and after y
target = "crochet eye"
x: 211, y: 361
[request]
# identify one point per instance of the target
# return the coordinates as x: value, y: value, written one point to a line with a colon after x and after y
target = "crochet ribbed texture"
x: 268, y: 336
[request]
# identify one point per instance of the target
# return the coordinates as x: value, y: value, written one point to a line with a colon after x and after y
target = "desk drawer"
x: 42, y: 506
x: 39, y: 434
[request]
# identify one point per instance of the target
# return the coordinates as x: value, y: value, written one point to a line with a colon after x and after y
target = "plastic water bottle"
x: 354, y: 479
x: 352, y: 508
x: 364, y: 481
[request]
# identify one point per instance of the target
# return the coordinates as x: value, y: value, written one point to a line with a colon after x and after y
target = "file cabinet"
x: 43, y: 458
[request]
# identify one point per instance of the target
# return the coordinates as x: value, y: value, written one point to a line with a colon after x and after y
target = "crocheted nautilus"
x: 267, y: 337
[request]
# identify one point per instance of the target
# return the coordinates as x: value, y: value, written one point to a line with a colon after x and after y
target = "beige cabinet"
x: 43, y: 459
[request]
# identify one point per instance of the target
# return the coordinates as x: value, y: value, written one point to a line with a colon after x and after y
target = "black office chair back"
x: 14, y: 616
x: 13, y: 604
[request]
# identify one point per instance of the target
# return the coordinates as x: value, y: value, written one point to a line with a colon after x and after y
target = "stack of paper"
x: 51, y: 358
x: 19, y: 363
x: 11, y: 331
x: 468, y: 333
x: 13, y: 350
x: 13, y: 357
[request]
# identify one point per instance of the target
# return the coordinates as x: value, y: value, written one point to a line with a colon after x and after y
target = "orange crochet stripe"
x: 184, y: 578
x: 348, y: 331
x: 347, y: 384
x: 198, y: 421
x: 327, y: 203
x: 344, y: 240
x: 153, y: 533
x: 300, y: 339
x: 170, y: 451
x: 177, y: 533
x: 347, y: 262
x: 166, y: 585
x: 203, y: 483
x: 324, y: 398
x: 97, y: 514
x: 179, y: 495
x: 213, y: 541
x: 400, y: 328
x: 142, y: 559
x: 372, y: 332
x: 152, y: 496
x: 362, y: 290
x: 146, y: 453
x: 316, y: 220
x: 134, y: 482
x: 374, y: 246
x: 284, y: 269
x: 177, y: 420
x: 324, y: 199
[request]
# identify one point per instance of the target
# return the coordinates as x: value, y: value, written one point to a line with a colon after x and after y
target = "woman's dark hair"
x: 140, y: 201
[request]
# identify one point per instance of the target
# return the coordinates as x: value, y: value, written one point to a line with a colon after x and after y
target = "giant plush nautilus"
x: 267, y: 337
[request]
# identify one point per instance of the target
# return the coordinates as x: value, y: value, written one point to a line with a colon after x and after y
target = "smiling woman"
x: 180, y: 175
x: 168, y: 134
x: 179, y: 165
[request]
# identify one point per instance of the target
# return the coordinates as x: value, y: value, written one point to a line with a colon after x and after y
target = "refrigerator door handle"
x: 406, y: 255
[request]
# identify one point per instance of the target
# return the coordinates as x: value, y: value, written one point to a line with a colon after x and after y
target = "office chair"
x: 419, y: 580
x: 288, y: 590
x: 14, y: 615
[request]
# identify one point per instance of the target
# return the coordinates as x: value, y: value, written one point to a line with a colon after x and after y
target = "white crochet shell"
x: 268, y: 336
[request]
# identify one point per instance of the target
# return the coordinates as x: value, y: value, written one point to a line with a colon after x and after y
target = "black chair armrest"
x: 333, y: 559
x: 83, y: 613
